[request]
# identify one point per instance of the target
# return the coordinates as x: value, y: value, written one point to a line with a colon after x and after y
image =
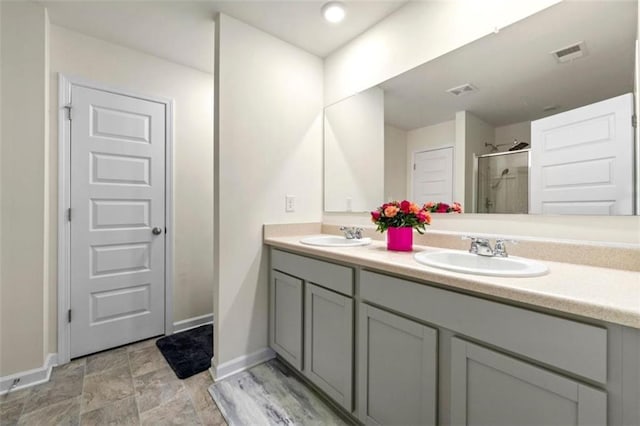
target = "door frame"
x: 453, y: 168
x: 65, y: 83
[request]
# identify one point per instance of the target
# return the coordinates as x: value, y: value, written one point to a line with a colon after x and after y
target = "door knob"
x: 157, y: 230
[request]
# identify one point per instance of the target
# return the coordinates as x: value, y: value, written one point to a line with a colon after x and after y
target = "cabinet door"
x: 397, y: 369
x: 285, y: 325
x: 329, y: 343
x: 489, y: 388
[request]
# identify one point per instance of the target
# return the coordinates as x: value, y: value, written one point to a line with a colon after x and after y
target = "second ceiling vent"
x: 463, y: 89
x: 570, y: 53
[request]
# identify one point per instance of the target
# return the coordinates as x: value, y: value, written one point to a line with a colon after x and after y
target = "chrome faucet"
x: 479, y: 246
x: 482, y: 246
x: 500, y: 249
x: 352, y: 232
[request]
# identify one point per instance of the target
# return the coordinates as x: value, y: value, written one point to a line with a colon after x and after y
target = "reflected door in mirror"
x: 582, y: 160
x: 433, y: 176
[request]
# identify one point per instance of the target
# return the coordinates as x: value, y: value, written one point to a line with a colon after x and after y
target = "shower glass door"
x: 503, y: 182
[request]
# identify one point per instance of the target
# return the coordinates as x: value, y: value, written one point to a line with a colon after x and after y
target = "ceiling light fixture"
x: 334, y: 11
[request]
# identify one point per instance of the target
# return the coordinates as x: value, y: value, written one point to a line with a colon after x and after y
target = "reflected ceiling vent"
x: 570, y: 53
x: 463, y: 90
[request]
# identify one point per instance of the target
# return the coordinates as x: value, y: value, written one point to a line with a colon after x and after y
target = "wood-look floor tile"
x: 107, y: 360
x: 146, y: 360
x: 270, y: 393
x: 66, y: 383
x: 155, y: 388
x: 177, y: 411
x: 61, y: 413
x: 119, y: 413
x: 103, y: 388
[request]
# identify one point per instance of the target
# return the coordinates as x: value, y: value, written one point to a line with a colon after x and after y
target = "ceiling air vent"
x: 570, y: 53
x: 463, y: 90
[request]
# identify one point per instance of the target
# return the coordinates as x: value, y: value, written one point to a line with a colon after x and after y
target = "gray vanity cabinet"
x: 285, y: 322
x: 421, y: 354
x: 329, y: 343
x: 397, y: 369
x: 490, y: 388
x: 311, y: 321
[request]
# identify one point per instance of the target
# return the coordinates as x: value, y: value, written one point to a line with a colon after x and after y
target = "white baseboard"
x: 241, y: 363
x: 30, y: 377
x: 190, y: 323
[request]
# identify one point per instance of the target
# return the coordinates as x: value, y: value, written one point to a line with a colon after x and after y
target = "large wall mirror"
x: 536, y: 118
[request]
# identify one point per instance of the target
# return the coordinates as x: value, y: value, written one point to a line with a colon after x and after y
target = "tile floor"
x: 272, y: 394
x: 131, y: 385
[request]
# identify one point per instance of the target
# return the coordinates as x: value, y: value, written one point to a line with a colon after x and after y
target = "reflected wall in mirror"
x: 354, y: 152
x: 537, y: 87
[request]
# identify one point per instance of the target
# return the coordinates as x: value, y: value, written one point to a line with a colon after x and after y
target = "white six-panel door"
x: 117, y: 275
x: 433, y: 176
x: 582, y: 160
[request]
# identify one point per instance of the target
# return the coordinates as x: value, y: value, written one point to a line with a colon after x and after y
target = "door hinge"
x: 414, y: 166
x: 634, y: 120
x: 69, y: 214
x: 69, y: 315
x: 68, y: 108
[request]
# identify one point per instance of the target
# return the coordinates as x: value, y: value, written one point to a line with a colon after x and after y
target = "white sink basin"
x: 468, y: 263
x: 335, y: 241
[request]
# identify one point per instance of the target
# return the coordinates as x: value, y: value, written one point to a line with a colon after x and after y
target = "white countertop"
x: 610, y: 295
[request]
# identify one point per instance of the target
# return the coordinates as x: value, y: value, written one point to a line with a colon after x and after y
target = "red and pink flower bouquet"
x: 443, y: 207
x: 400, y: 218
x: 401, y: 214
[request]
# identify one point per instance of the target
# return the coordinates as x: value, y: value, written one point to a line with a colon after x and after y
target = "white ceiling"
x: 515, y: 73
x: 182, y: 30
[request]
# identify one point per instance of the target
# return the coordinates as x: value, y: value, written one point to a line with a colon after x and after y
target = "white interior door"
x: 582, y: 160
x: 117, y: 199
x: 433, y: 176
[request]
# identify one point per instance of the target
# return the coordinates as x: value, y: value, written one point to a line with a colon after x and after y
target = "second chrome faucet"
x: 352, y: 232
x: 482, y: 246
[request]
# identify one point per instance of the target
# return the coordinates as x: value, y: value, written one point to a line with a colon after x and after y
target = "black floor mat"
x: 188, y: 352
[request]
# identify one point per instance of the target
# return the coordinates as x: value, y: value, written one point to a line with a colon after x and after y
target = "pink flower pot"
x: 400, y: 239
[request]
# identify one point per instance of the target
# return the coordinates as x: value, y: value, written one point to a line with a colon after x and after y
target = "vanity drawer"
x: 329, y: 275
x: 568, y: 345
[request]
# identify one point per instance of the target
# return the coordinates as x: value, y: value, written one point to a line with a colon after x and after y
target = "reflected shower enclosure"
x: 503, y: 182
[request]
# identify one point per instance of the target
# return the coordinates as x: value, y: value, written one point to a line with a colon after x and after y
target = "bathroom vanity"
x: 394, y: 342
